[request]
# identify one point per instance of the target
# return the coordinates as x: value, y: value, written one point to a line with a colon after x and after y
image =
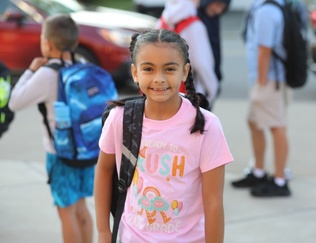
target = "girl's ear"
x: 134, y: 73
x: 186, y: 70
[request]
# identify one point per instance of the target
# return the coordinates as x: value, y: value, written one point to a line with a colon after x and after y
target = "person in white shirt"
x: 200, y: 51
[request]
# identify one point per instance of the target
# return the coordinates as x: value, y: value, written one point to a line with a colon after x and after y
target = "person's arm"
x: 102, y: 195
x: 264, y: 55
x: 33, y: 87
x: 212, y: 191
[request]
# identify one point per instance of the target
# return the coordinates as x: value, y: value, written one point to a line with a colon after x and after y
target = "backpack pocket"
x: 64, y: 145
x: 91, y: 132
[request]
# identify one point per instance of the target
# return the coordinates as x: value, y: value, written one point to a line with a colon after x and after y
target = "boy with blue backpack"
x: 71, y: 98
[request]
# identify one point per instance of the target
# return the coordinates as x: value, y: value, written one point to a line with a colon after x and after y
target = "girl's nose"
x: 159, y: 77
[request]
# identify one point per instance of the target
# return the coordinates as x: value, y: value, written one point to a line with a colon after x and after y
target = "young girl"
x: 177, y: 189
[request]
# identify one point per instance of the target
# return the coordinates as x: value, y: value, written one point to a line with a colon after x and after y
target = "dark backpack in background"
x: 6, y: 115
x: 132, y: 131
x: 295, y: 44
x: 294, y: 41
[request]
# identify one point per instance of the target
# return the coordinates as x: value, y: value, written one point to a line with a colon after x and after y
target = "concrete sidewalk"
x: 27, y: 214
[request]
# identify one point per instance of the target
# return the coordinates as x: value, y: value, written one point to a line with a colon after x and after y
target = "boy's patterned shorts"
x: 68, y: 184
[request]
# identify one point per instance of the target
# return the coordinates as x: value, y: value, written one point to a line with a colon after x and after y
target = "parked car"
x: 151, y: 7
x: 104, y: 33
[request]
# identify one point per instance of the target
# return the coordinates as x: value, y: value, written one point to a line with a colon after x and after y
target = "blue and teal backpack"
x: 83, y: 92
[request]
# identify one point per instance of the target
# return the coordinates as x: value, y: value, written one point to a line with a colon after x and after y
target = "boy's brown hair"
x: 62, y: 31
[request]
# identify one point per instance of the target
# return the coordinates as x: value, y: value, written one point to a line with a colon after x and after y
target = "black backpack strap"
x: 132, y: 131
x: 42, y: 107
x: 277, y: 56
x: 43, y: 110
x: 55, y: 66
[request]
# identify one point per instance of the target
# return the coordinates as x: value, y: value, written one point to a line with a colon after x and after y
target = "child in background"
x: 211, y: 12
x: 195, y: 34
x: 177, y: 189
x: 69, y: 185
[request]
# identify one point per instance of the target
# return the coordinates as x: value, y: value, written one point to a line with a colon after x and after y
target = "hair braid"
x: 132, y: 44
x: 195, y: 101
x: 167, y: 36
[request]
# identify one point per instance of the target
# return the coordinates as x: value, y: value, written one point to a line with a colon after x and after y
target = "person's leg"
x: 280, y: 150
x: 84, y: 221
x: 70, y: 227
x: 276, y: 109
x: 258, y: 145
x: 59, y: 184
x: 69, y: 186
x: 76, y: 223
x: 257, y: 175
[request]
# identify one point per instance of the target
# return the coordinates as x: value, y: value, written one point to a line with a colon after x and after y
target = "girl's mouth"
x: 160, y: 89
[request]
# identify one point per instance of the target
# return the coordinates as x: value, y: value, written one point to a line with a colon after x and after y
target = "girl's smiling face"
x: 159, y: 71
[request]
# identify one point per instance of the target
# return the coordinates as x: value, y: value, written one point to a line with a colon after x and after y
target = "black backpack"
x: 6, y: 115
x: 295, y: 44
x: 132, y: 130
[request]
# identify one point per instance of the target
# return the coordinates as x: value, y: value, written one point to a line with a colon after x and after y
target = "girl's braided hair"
x: 167, y: 36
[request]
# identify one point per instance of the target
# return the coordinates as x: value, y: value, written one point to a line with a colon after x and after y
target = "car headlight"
x: 117, y: 36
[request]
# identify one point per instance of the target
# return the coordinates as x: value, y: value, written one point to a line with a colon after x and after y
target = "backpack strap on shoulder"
x: 54, y: 65
x: 185, y: 23
x: 164, y: 25
x: 180, y: 25
x: 132, y: 132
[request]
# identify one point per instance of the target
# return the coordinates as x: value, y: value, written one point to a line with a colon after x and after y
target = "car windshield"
x: 51, y: 7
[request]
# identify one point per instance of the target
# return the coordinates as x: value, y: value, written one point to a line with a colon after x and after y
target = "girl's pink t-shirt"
x: 164, y: 202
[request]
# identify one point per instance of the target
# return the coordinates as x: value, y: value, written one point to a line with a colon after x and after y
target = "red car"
x: 104, y: 33
x: 313, y: 16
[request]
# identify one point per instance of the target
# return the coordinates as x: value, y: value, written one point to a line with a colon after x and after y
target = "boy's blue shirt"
x: 265, y: 29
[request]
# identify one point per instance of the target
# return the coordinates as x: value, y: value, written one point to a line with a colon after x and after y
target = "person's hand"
x: 37, y: 63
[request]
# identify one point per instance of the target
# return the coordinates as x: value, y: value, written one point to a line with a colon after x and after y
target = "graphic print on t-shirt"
x: 149, y: 208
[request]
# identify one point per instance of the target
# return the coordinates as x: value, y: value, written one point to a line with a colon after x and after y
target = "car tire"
x: 82, y: 53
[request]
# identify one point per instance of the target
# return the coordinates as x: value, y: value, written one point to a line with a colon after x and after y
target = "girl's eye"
x: 171, y: 69
x: 147, y: 69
